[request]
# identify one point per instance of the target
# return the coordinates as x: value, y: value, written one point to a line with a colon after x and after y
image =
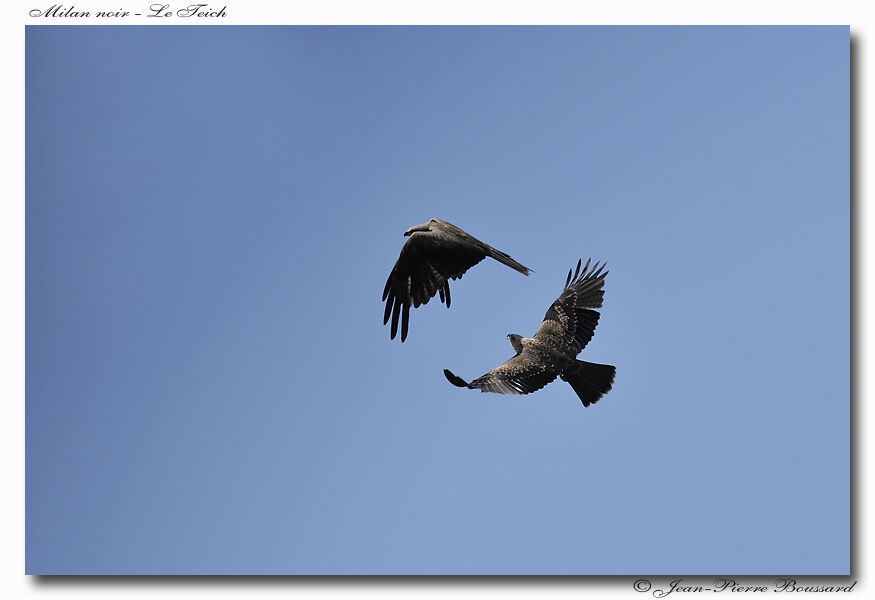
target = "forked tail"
x: 590, y: 381
x: 507, y: 260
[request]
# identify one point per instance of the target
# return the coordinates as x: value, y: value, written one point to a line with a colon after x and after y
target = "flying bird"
x: 435, y: 252
x: 567, y: 328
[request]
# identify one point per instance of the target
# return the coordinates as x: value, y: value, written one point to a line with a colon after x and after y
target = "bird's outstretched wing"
x: 569, y: 323
x: 524, y: 373
x: 428, y: 261
x: 424, y: 268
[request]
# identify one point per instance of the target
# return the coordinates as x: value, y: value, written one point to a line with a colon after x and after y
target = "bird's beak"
x: 415, y: 229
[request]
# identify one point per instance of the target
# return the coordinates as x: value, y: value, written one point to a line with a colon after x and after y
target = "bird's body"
x: 566, y: 329
x: 434, y: 253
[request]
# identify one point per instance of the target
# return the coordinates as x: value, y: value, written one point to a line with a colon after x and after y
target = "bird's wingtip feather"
x: 455, y: 379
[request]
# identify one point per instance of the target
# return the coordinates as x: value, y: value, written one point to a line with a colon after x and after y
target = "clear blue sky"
x: 211, y: 217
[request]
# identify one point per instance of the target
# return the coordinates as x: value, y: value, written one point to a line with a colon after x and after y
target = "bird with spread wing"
x: 434, y: 253
x: 567, y: 328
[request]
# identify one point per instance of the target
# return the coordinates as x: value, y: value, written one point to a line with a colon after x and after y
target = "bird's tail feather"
x: 455, y: 379
x: 590, y: 381
x: 507, y: 260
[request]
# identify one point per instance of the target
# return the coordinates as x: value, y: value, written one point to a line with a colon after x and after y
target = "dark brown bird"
x: 435, y: 252
x: 567, y: 328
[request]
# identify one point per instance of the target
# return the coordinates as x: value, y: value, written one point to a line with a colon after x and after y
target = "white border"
x: 14, y: 584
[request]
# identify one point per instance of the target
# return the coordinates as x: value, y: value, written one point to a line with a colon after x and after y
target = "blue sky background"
x: 211, y: 217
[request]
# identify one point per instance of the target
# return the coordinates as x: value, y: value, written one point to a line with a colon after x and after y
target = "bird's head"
x: 423, y: 227
x: 516, y: 341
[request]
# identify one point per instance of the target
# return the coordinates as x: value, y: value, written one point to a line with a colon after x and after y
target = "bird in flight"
x: 567, y: 328
x: 435, y: 252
